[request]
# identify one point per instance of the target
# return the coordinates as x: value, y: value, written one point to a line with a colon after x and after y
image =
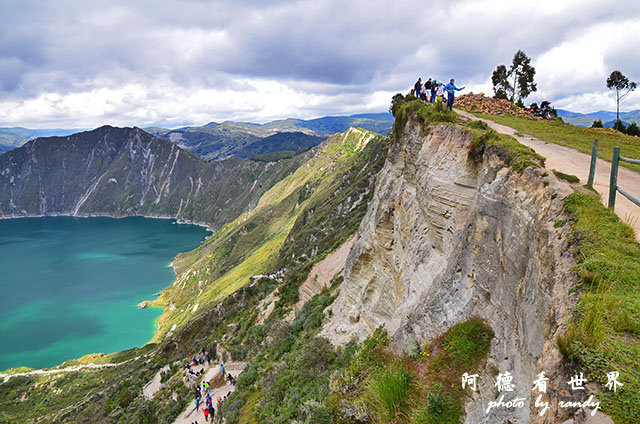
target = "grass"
x: 428, y: 113
x: 604, y: 334
x: 516, y: 155
x: 398, y: 389
x: 578, y: 138
x: 567, y: 177
x: 391, y: 393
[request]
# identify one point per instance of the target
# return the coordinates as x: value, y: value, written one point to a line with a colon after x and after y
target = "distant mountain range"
x: 607, y: 118
x: 217, y: 141
x: 10, y: 138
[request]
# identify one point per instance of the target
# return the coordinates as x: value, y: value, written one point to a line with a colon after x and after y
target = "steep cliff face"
x: 126, y: 171
x: 453, y: 233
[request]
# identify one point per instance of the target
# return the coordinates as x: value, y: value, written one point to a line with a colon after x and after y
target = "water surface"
x: 70, y: 286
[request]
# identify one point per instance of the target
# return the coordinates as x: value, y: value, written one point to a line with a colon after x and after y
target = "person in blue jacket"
x: 451, y: 89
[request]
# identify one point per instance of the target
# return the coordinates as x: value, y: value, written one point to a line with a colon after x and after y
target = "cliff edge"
x: 454, y: 232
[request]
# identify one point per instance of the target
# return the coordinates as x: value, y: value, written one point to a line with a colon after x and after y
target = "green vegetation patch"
x: 428, y: 113
x: 377, y: 386
x: 581, y: 139
x: 605, y: 333
x: 567, y: 177
x: 516, y: 155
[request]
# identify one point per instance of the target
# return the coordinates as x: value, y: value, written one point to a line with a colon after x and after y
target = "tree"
x: 633, y: 129
x: 520, y: 72
x: 619, y: 126
x: 597, y: 124
x: 396, y: 101
x: 523, y: 74
x: 623, y: 87
x: 500, y: 79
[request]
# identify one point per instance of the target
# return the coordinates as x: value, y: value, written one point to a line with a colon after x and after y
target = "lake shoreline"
x: 137, y: 303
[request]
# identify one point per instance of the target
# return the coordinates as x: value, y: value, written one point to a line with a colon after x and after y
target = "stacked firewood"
x: 481, y: 104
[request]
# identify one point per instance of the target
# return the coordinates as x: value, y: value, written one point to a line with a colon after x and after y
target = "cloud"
x: 67, y: 63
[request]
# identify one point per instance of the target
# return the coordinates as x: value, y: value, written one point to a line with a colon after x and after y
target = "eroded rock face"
x: 452, y: 233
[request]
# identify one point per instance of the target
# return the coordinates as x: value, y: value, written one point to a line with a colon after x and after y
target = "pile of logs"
x: 479, y: 103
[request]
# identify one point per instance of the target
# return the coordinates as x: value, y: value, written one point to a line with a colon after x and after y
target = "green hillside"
x: 309, y: 212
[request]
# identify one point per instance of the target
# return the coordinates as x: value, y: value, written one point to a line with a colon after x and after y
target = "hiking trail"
x: 571, y: 161
x: 212, y: 374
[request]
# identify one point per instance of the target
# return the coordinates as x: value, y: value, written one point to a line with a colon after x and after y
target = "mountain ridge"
x: 126, y: 171
x: 586, y: 119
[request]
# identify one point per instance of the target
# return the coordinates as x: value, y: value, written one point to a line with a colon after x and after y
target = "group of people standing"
x: 434, y: 91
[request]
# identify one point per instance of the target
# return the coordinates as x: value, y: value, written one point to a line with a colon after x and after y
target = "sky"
x: 80, y: 64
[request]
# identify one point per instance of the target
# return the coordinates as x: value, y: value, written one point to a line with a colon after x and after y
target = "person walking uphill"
x: 451, y: 89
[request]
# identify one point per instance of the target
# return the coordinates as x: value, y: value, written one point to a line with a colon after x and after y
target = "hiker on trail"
x: 440, y: 92
x: 451, y: 90
x: 222, y: 368
x: 417, y: 87
x: 427, y: 90
x: 205, y: 411
x: 196, y: 400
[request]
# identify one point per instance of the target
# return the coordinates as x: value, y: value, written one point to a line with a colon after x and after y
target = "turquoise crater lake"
x: 70, y: 286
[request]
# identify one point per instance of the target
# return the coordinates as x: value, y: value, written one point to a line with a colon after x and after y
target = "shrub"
x: 597, y: 124
x: 413, y: 350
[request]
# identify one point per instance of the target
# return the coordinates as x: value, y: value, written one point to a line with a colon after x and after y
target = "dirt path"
x: 571, y: 161
x: 152, y: 387
x: 190, y: 415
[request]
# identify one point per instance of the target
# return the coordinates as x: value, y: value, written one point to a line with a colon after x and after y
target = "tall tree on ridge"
x: 623, y: 87
x: 522, y: 73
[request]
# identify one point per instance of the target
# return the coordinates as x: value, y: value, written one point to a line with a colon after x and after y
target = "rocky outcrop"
x: 453, y: 233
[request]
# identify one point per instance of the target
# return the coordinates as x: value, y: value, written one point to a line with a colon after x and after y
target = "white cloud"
x: 64, y: 63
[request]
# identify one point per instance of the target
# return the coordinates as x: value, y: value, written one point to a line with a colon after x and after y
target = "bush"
x: 412, y: 350
x: 597, y: 124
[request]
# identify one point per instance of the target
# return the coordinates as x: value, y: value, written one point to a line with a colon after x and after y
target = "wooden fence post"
x: 613, y: 182
x: 592, y: 168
